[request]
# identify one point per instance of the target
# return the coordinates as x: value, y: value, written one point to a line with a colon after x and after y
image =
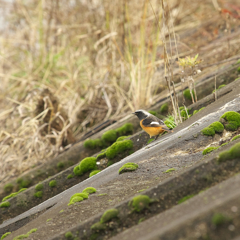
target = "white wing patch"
x: 154, y: 123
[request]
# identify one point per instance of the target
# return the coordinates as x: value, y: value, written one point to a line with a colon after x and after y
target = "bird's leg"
x: 156, y: 137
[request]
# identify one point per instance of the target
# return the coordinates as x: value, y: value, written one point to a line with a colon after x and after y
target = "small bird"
x: 151, y: 124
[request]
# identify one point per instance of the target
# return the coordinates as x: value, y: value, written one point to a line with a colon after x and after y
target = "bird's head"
x: 141, y: 114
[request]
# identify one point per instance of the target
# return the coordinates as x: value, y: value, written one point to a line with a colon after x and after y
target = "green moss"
x: 170, y: 170
x: 49, y: 219
x: 153, y: 112
x: 60, y: 165
x: 8, y: 187
x: 187, y: 94
x: 170, y: 122
x: 38, y: 194
x: 238, y: 69
x: 5, y: 204
x: 127, y: 128
x: 230, y: 120
x: 139, y: 203
x: 150, y: 140
x: 122, y: 138
x: 208, y: 150
x: 13, y: 194
x: 164, y: 108
x: 185, y: 198
x: 196, y: 111
x: 101, y: 155
x: 5, y: 234
x: 23, y: 182
x: 185, y: 113
x: 236, y: 137
x: 94, y: 172
x: 68, y: 235
x: 109, y: 136
x: 141, y: 220
x: 118, y: 147
x: 215, y: 127
x: 39, y: 187
x: 98, y: 226
x: 69, y: 176
x: 87, y: 164
x: 82, y: 195
x: 52, y: 183
x: 109, y: 215
x: 127, y: 167
x: 233, y: 153
x: 89, y: 190
x: 224, y: 144
x: 61, y: 211
x: 102, y: 194
x: 219, y: 219
x: 25, y: 235
x: 110, y: 163
x: 75, y: 199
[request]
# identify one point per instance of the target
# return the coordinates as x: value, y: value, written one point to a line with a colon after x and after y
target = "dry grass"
x: 101, y: 59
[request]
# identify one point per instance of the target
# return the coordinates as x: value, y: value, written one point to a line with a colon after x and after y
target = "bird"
x: 151, y: 124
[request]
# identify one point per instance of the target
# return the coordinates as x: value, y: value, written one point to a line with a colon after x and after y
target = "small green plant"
x: 188, y: 95
x: 38, y: 194
x: 94, y: 172
x: 5, y: 235
x: 196, y: 111
x: 209, y: 149
x: 139, y: 203
x: 39, y: 187
x: 74, y: 200
x: 213, y: 128
x: 8, y: 187
x: 185, y: 198
x: 170, y: 122
x: 127, y: 167
x: 89, y: 190
x: 68, y: 235
x: 52, y: 183
x: 25, y: 235
x: 230, y: 120
x: 69, y: 176
x: 5, y: 204
x: 221, y: 86
x: 170, y: 170
x: 109, y: 215
x: 87, y: 164
x: 49, y: 219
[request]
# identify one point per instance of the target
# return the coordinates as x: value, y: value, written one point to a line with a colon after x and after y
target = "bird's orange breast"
x: 152, y: 131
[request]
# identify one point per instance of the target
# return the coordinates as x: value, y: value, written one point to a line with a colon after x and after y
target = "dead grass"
x: 100, y: 60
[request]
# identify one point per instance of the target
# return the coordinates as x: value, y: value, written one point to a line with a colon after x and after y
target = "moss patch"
x: 13, y: 194
x: 52, y: 183
x: 139, y: 203
x: 233, y: 153
x: 218, y: 219
x: 60, y: 165
x: 94, y: 143
x: 153, y: 112
x: 38, y: 194
x: 74, y: 200
x: 170, y: 170
x: 23, y: 182
x: 94, y: 172
x: 127, y: 128
x: 69, y: 176
x: 208, y: 150
x: 98, y: 226
x: 8, y: 187
x: 128, y: 167
x: 39, y: 187
x: 215, y: 127
x: 150, y: 140
x: 109, y: 136
x: 196, y: 111
x: 109, y: 215
x: 230, y: 120
x: 5, y: 204
x: 5, y: 235
x: 68, y: 235
x: 89, y: 190
x: 122, y: 138
x: 87, y: 164
x: 25, y: 235
x: 221, y: 86
x: 118, y: 147
x: 185, y: 198
x: 187, y: 94
x: 164, y: 108
x: 236, y: 137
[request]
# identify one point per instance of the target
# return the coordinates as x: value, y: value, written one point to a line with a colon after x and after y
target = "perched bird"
x: 151, y: 124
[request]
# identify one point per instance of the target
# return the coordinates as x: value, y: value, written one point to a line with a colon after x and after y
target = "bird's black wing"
x: 152, y: 121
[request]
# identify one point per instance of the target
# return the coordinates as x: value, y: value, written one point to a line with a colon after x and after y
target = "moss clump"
x: 101, y: 155
x: 208, y: 150
x: 185, y: 198
x: 8, y: 187
x: 185, y: 113
x: 39, y: 187
x: 23, y: 183
x: 110, y: 163
x: 233, y: 153
x: 109, y: 215
x: 153, y: 112
x: 224, y: 144
x: 68, y: 235
x: 128, y: 167
x: 170, y: 170
x: 139, y: 203
x: 89, y: 190
x: 98, y: 226
x: 74, y: 200
x: 69, y: 176
x: 164, y: 108
x: 5, y: 234
x: 94, y: 172
x: 87, y: 164
x: 127, y: 128
x: 5, y: 204
x: 94, y: 143
x: 109, y: 136
x: 236, y: 137
x: 150, y: 140
x: 38, y: 194
x: 187, y: 94
x: 82, y: 195
x: 118, y: 147
x: 25, y: 235
x: 196, y: 111
x: 49, y: 219
x: 52, y: 183
x: 60, y: 165
x: 221, y: 86
x: 215, y: 127
x: 13, y: 194
x: 230, y: 120
x: 122, y: 138
x: 238, y: 69
x: 219, y: 219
